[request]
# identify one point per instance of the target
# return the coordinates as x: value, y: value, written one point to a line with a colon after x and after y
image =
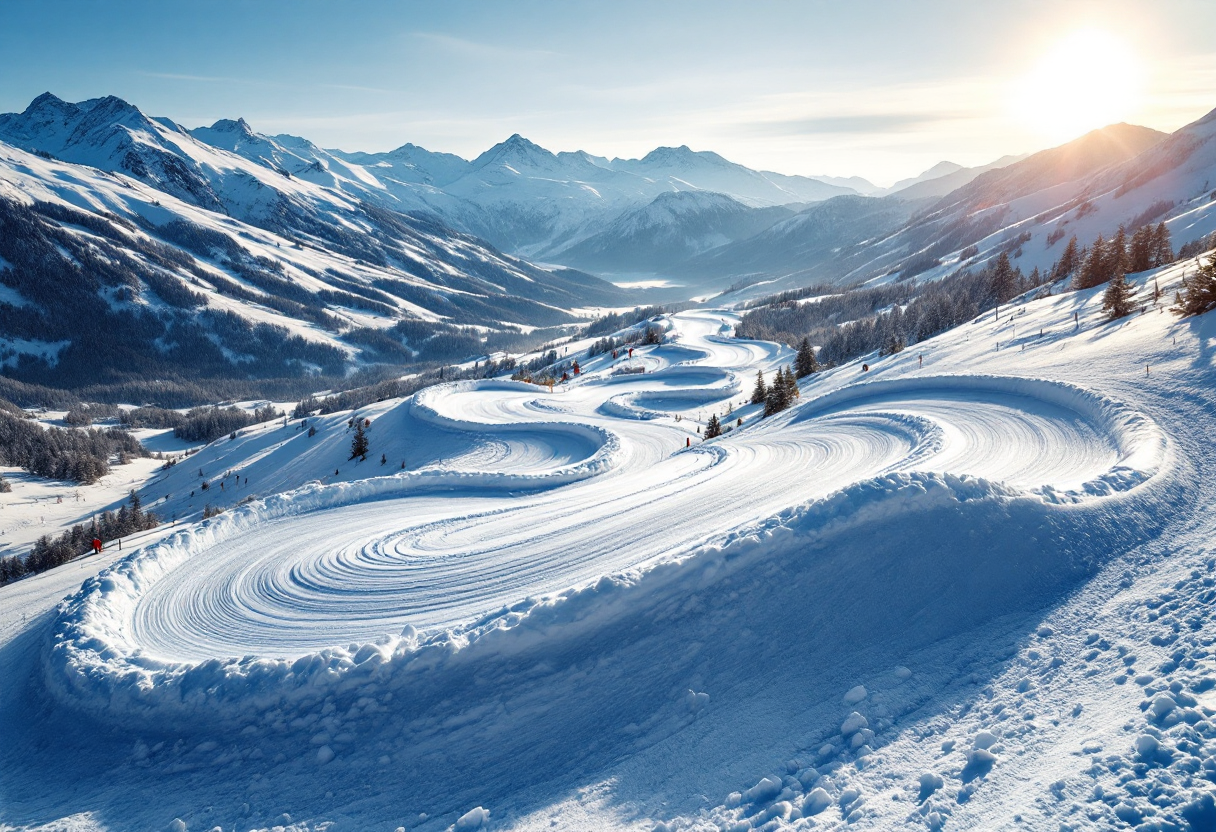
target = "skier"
x: 577, y: 369
x: 631, y: 352
x: 96, y: 546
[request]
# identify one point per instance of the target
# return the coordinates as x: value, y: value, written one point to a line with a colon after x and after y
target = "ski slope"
x: 564, y: 610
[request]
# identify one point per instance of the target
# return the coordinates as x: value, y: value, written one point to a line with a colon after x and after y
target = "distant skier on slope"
x: 96, y: 546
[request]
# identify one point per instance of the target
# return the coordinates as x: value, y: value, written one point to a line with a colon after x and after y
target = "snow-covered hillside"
x: 804, y: 249
x: 131, y: 249
x: 944, y: 177
x: 966, y: 587
x: 1118, y: 175
x: 672, y: 228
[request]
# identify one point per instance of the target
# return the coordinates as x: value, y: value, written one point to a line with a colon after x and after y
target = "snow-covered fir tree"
x: 1117, y: 301
x: 358, y: 443
x: 1198, y: 294
x: 760, y: 391
x: 805, y: 362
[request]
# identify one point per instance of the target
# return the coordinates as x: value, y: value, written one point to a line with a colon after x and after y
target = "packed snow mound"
x: 1138, y: 444
x: 360, y: 589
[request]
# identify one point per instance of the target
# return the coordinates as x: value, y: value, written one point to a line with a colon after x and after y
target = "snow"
x: 940, y: 597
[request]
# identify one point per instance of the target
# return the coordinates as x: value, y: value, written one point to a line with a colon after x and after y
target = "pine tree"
x: 1068, y: 262
x: 1198, y: 293
x: 1093, y: 270
x: 805, y: 362
x: 778, y: 397
x: 791, y: 386
x: 714, y: 428
x: 1141, y: 254
x: 1117, y: 300
x: 1116, y: 254
x: 359, y: 444
x: 137, y: 512
x: 1163, y: 251
x: 760, y: 392
x: 1004, y: 281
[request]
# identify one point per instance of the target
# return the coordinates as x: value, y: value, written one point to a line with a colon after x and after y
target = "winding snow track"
x: 612, y: 490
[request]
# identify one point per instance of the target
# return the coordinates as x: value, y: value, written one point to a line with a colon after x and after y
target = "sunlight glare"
x: 1088, y: 80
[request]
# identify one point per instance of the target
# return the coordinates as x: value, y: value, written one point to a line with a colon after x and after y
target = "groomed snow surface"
x: 968, y: 594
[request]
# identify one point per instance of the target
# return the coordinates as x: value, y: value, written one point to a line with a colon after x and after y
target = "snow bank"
x: 424, y: 407
x: 1139, y: 442
x: 92, y: 662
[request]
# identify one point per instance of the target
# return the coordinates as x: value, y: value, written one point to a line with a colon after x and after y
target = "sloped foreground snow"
x: 909, y: 600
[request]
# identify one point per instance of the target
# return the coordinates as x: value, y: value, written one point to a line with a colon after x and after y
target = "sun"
x: 1087, y: 80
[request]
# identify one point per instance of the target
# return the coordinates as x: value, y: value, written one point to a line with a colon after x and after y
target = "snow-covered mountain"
x: 672, y: 228
x: 803, y: 249
x: 1117, y: 175
x: 519, y: 195
x: 936, y: 172
x: 130, y: 249
x: 859, y: 184
x: 945, y: 177
x: 704, y: 170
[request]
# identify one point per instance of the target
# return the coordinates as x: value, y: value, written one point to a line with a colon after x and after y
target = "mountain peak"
x: 516, y: 151
x: 681, y: 157
x: 48, y: 100
x: 109, y: 106
x: 227, y: 125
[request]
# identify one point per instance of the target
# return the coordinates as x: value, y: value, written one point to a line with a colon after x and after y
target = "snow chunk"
x: 853, y: 723
x: 324, y: 754
x: 984, y: 740
x: 816, y: 802
x: 475, y: 818
x: 979, y: 763
x: 855, y: 695
x: 696, y: 700
x: 766, y: 789
x: 902, y: 673
x: 1162, y: 705
x: 1147, y: 746
x: 929, y: 783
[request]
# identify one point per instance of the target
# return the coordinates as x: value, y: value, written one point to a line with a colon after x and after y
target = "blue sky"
x: 880, y: 88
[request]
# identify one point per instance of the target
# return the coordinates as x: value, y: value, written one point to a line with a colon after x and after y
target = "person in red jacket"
x: 96, y: 546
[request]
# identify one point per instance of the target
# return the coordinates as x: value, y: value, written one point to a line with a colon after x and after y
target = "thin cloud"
x: 465, y: 48
x: 868, y: 123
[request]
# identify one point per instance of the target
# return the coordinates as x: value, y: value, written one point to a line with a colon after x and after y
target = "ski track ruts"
x: 300, y: 574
